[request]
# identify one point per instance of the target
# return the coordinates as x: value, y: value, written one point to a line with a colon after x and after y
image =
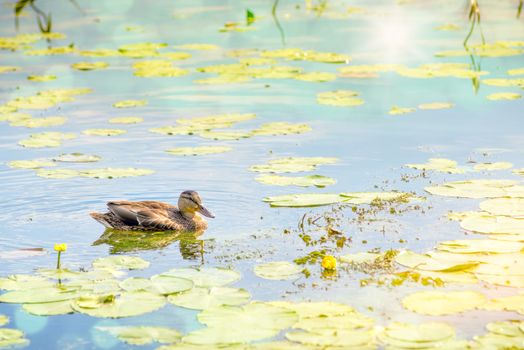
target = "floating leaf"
x: 498, y: 224
x: 443, y: 303
x: 129, y: 103
x: 198, y: 47
x: 158, y: 284
x: 333, y: 337
x: 396, y: 110
x: 6, y: 69
x: 39, y: 295
x: 224, y: 135
x: 370, y: 197
x: 479, y: 188
x: 304, y: 200
x: 508, y: 303
x: 49, y: 309
x: 278, y: 270
x: 436, y: 105
x: 157, y: 68
x: 205, y: 276
x: 3, y: 320
x: 516, y: 71
x: 142, y: 335
x: 303, y: 181
x: 196, y: 151
x: 121, y: 262
x: 448, y: 27
x: 30, y: 164
x: 39, y: 122
x: 85, y: 66
x: 12, y: 337
x: 126, y: 304
x: 105, y: 173
x: 46, y: 139
x: 507, y: 328
x: 14, y: 117
x: 292, y: 164
x: 426, y: 262
x: 24, y: 282
x: 438, y: 164
x: 104, y: 132
x: 467, y: 246
x: 493, y: 166
x: 126, y: 120
x: 316, y: 77
x: 503, y: 96
x: 343, y: 98
x: 41, y: 78
x: 314, y: 310
x: 76, y: 158
x: 203, y: 298
x: 504, y: 206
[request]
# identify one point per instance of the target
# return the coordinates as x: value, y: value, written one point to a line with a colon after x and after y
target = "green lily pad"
x: 507, y: 328
x: 126, y: 120
x: 490, y: 224
x: 429, y: 332
x: 126, y: 304
x: 302, y: 181
x: 425, y: 262
x: 199, y: 47
x: 224, y: 135
x: 508, y: 303
x: 352, y: 320
x: 205, y: 276
x: 443, y: 303
x: 24, y: 282
x: 493, y: 166
x: 342, y: 98
x: 370, y: 197
x: 105, y: 173
x: 333, y: 337
x: 129, y: 103
x: 158, y: 284
x: 46, y: 139
x: 41, y: 78
x: 49, y: 309
x: 278, y: 270
x: 319, y: 309
x: 196, y: 151
x: 436, y: 105
x: 479, y: 188
x: 76, y: 158
x: 203, y: 298
x: 104, y: 132
x: 188, y: 346
x: 12, y: 337
x: 467, y: 246
x: 121, y: 262
x: 292, y: 164
x: 39, y: 295
x: 217, y: 121
x: 30, y: 164
x: 143, y: 335
x: 304, y: 200
x: 157, y: 68
x: 85, y: 66
x: 316, y: 77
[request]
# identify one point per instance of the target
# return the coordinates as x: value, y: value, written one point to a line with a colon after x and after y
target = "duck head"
x: 190, y: 203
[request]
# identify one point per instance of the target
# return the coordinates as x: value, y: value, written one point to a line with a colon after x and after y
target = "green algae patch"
x: 142, y: 335
x: 87, y: 66
x: 443, y: 303
x: 126, y: 120
x: 205, y: 276
x: 103, y: 132
x: 278, y: 270
x: 197, y: 151
x: 302, y: 181
x: 438, y: 164
x: 200, y: 298
x: 46, y: 139
x: 129, y: 103
x: 504, y: 96
x: 341, y: 98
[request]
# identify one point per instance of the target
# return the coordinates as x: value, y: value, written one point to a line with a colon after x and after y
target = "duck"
x: 156, y: 216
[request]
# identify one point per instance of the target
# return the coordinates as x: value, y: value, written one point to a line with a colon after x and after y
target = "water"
x: 372, y: 145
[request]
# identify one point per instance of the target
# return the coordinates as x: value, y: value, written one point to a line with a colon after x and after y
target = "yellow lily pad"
x: 205, y: 276
x: 316, y: 77
x: 49, y: 309
x: 490, y: 224
x: 516, y: 71
x: 224, y: 135
x: 198, y: 47
x: 333, y: 337
x: 467, y: 246
x: 396, y: 110
x: 41, y: 78
x: 129, y: 103
x: 142, y: 335
x: 105, y: 173
x: 8, y: 69
x: 281, y: 128
x: 157, y: 68
x: 508, y: 303
x: 292, y: 164
x: 493, y: 166
x: 304, y: 200
x: 12, y: 337
x: 443, y: 303
x: 504, y: 206
x: 478, y: 188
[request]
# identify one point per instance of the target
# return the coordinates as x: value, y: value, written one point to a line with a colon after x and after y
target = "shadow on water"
x: 190, y: 246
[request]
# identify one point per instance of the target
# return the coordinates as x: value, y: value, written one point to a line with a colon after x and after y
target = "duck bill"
x: 202, y: 210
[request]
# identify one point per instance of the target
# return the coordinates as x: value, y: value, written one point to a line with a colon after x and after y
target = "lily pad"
x: 205, y: 276
x: 76, y: 158
x: 292, y: 164
x: 24, y: 282
x: 104, y: 132
x: 129, y: 103
x: 302, y: 181
x: 507, y: 328
x: 115, y: 306
x: 508, y: 303
x: 429, y: 332
x: 39, y: 122
x: 396, y: 110
x: 30, y: 164
x: 142, y: 335
x: 46, y: 139
x: 479, y: 188
x: 49, y: 309
x: 426, y: 262
x: 158, y: 284
x: 3, y: 320
x: 333, y: 337
x: 493, y: 166
x: 39, y: 295
x: 121, y: 262
x: 439, y: 164
x: 12, y: 337
x: 443, y: 303
x: 224, y: 135
x: 503, y: 96
x: 85, y: 66
x: 489, y: 224
x: 278, y: 270
x: 200, y: 150
x: 41, y: 78
x: 281, y: 128
x: 304, y: 200
x: 504, y: 206
x: 126, y: 120
x: 342, y: 98
x: 314, y: 310
x: 203, y: 298
x: 436, y: 105
x: 316, y: 77
x: 467, y: 246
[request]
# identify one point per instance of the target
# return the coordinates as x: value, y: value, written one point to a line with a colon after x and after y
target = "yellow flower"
x: 62, y: 247
x: 329, y: 262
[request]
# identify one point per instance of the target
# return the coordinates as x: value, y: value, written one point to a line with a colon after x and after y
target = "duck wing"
x: 149, y: 214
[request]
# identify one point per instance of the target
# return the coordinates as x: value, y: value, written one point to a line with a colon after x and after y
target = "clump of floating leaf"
x: 11, y: 117
x: 85, y: 66
x: 504, y: 206
x: 281, y: 128
x: 46, y: 139
x: 343, y: 98
x: 493, y: 166
x: 436, y: 105
x: 233, y: 324
x: 503, y: 96
x: 76, y: 158
x: 107, y: 173
x: 30, y: 164
x: 278, y: 270
x: 438, y: 164
x: 157, y: 68
x: 501, y: 335
x: 203, y: 298
x: 126, y: 120
x: 302, y: 181
x: 292, y: 164
x: 197, y: 151
x: 39, y: 122
x: 41, y: 78
x: 216, y: 121
x: 425, y: 335
x: 129, y: 103
x: 59, y: 50
x: 478, y: 188
x: 104, y: 132
x: 396, y: 110
x: 205, y: 276
x: 12, y: 337
x: 140, y: 50
x: 142, y: 335
x: 504, y: 82
x: 443, y: 303
x: 124, y: 304
x: 175, y: 56
x: 124, y: 262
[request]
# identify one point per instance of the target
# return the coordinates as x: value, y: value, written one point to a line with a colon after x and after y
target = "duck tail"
x: 101, y: 218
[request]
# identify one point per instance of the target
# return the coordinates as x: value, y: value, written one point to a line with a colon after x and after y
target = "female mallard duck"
x: 156, y: 216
